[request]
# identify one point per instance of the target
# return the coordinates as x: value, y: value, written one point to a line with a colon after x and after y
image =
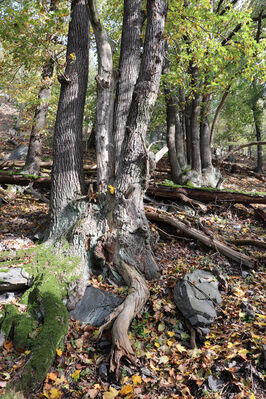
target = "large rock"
x: 19, y: 153
x: 196, y: 296
x: 95, y: 306
x: 14, y: 279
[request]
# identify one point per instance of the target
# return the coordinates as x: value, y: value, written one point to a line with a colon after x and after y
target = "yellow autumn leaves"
x: 126, y: 391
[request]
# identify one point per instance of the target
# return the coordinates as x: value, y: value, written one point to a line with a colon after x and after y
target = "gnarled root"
x: 123, y: 315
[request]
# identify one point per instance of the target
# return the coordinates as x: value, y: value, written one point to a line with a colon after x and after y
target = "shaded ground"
x: 229, y: 362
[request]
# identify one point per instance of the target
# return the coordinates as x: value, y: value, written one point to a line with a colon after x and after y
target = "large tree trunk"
x: 67, y: 172
x: 128, y: 69
x: 127, y: 243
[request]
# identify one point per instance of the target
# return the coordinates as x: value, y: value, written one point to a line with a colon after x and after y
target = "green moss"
x: 4, y: 270
x: 10, y: 313
x: 170, y: 183
x: 45, y: 297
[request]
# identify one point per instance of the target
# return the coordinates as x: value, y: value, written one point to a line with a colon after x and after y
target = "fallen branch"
x: 239, y: 147
x: 191, y: 232
x: 256, y: 243
x: 205, y: 195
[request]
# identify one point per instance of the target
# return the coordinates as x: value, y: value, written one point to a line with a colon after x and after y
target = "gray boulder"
x: 18, y: 153
x: 196, y: 296
x: 14, y: 279
x: 95, y: 306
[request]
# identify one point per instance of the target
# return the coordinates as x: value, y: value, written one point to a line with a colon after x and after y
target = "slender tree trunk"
x: 259, y: 168
x: 33, y: 159
x: 180, y: 141
x: 128, y: 69
x: 187, y: 119
x: 105, y: 100
x: 67, y: 172
x: 218, y: 112
x: 171, y: 111
x: 194, y: 124
x: 205, y: 147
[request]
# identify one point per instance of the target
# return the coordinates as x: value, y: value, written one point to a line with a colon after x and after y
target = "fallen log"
x: 198, y: 235
x: 165, y: 192
x: 255, y: 243
x: 43, y: 164
x: 239, y: 148
x: 206, y: 195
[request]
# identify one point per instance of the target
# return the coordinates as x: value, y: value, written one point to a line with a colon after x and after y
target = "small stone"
x: 214, y: 383
x: 103, y: 373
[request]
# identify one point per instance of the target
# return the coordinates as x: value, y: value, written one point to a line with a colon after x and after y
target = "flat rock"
x: 95, y: 306
x: 18, y: 153
x: 14, y: 279
x: 196, y: 296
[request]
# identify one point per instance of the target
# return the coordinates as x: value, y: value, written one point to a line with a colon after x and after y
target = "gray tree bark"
x: 33, y: 159
x: 67, y: 172
x: 128, y: 70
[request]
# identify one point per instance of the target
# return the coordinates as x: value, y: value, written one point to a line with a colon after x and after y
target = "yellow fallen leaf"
x: 157, y: 345
x: 55, y: 393
x: 239, y: 293
x: 136, y: 379
x: 75, y: 375
x: 126, y: 390
x: 252, y: 396
x: 59, y: 352
x: 243, y: 353
x: 164, y: 359
x: 52, y: 376
x: 180, y: 348
x: 169, y: 342
x: 261, y: 316
x: 171, y: 333
x: 111, y: 394
x: 27, y: 352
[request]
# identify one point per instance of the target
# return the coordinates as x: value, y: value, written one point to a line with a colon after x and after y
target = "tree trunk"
x: 67, y: 172
x: 33, y: 159
x: 171, y: 112
x: 128, y: 69
x: 128, y: 241
x: 259, y: 168
x: 105, y: 99
x: 218, y: 112
x: 194, y: 126
x: 205, y: 148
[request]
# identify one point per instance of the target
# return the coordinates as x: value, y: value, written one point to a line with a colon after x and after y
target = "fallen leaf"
x: 52, y: 376
x: 126, y: 390
x: 136, y: 379
x: 163, y: 359
x: 8, y: 345
x: 93, y: 393
x: 59, y: 352
x: 55, y: 393
x: 111, y: 394
x: 180, y: 348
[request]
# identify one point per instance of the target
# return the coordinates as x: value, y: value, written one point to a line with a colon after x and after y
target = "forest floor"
x: 229, y: 363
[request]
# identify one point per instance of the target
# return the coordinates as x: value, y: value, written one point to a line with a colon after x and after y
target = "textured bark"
x: 33, y: 159
x: 194, y: 125
x: 67, y: 172
x: 205, y: 147
x: 128, y: 70
x: 105, y: 99
x: 259, y: 168
x: 128, y: 242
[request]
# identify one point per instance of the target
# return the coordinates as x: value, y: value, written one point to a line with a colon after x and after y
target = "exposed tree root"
x: 123, y: 315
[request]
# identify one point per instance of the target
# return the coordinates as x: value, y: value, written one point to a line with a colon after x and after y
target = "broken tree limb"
x: 256, y: 243
x: 239, y: 147
x: 198, y: 235
x: 205, y: 195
